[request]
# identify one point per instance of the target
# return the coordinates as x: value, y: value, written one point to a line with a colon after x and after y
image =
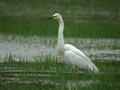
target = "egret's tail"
x: 95, y: 69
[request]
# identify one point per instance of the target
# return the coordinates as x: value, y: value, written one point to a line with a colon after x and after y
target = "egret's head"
x: 55, y: 16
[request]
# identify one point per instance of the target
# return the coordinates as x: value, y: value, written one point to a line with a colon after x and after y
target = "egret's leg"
x: 72, y: 71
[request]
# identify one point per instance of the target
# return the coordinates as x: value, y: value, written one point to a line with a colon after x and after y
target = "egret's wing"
x: 75, y: 50
x: 76, y: 60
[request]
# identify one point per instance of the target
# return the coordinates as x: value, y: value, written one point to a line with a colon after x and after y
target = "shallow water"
x: 44, y: 78
x: 34, y: 46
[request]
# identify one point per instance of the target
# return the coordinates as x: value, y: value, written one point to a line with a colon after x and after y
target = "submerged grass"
x: 54, y: 75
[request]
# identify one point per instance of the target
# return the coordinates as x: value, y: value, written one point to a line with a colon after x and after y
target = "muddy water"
x: 30, y: 47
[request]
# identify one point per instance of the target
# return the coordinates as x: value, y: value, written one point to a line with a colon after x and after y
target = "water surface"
x: 30, y: 47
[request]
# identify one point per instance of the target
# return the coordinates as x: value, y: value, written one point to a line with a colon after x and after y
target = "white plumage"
x: 70, y: 54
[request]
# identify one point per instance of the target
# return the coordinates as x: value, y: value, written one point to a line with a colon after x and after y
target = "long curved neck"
x: 60, y: 42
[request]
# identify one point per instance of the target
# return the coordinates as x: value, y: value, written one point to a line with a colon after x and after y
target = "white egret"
x: 70, y: 54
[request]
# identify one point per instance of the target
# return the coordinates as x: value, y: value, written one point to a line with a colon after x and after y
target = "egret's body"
x: 70, y: 54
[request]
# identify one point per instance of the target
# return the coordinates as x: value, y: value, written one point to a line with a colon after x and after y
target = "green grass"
x: 23, y: 26
x: 60, y: 73
x: 86, y: 19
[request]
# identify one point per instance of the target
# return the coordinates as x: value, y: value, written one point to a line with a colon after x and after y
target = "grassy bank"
x: 86, y: 19
x: 23, y: 26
